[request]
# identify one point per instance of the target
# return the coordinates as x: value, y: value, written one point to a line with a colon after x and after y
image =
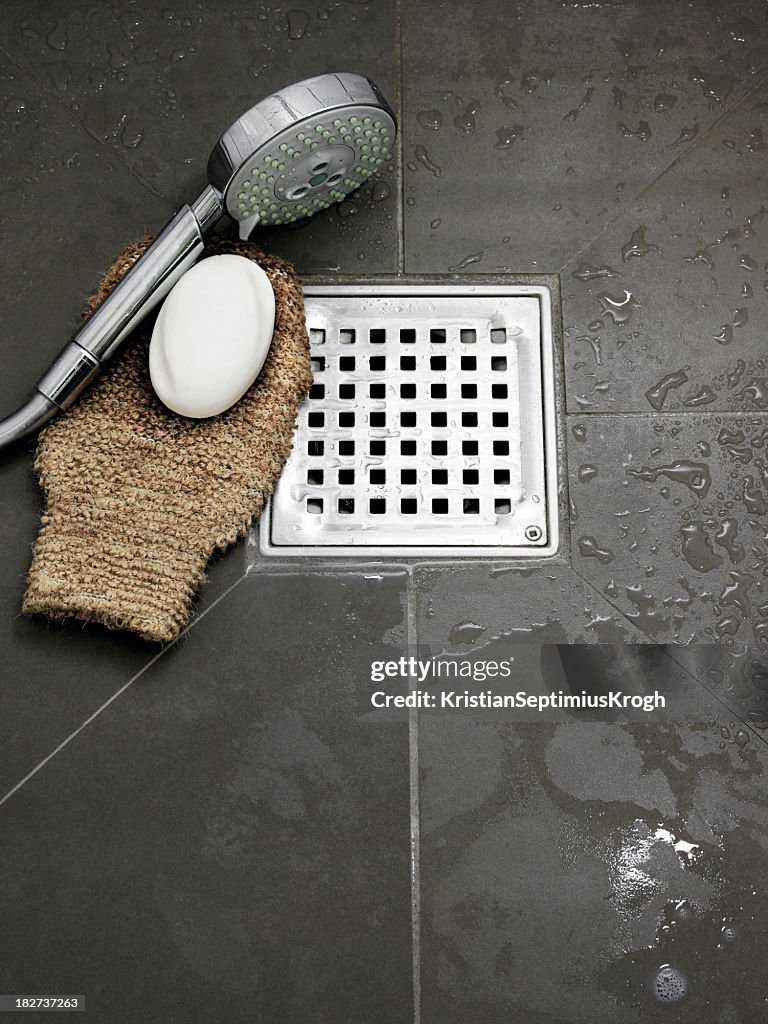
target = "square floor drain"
x: 429, y: 429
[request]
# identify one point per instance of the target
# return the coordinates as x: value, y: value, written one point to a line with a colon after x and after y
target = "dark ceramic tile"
x: 528, y: 128
x: 735, y: 675
x: 669, y: 521
x: 462, y: 608
x: 667, y: 308
x: 570, y: 870
x: 159, y: 84
x: 229, y: 840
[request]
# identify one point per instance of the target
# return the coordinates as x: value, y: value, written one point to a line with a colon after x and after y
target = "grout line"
x: 413, y: 767
x: 753, y: 413
x: 45, y: 89
x: 697, y: 142
x: 110, y: 700
x: 399, y: 102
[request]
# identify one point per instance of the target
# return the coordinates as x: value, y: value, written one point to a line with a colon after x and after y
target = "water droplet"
x: 435, y: 224
x: 423, y: 157
x: 637, y: 245
x: 572, y: 115
x: 57, y: 37
x: 642, y: 132
x: 686, y: 135
x: 298, y: 21
x: 507, y: 134
x: 663, y: 102
x: 697, y: 550
x: 587, y: 472
x: 429, y: 118
x: 380, y: 192
x: 474, y: 257
x: 586, y: 272
x: 588, y: 548
x: 703, y: 396
x: 466, y: 632
x: 694, y: 475
x: 465, y: 121
x: 716, y: 88
x: 619, y: 309
x: 658, y: 393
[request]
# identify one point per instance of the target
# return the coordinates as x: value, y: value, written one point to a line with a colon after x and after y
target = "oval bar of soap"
x: 212, y: 336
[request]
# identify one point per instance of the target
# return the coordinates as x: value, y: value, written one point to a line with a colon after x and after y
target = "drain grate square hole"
x: 346, y: 448
x: 499, y: 391
x: 407, y: 447
x: 378, y: 419
x: 347, y: 363
x: 470, y: 476
x: 437, y: 362
x: 469, y: 390
x: 316, y: 336
x: 501, y: 447
x: 346, y: 506
x: 314, y: 506
x: 469, y: 419
x: 318, y: 364
x: 409, y: 506
x: 468, y: 363
x: 315, y: 477
x: 498, y: 336
x: 377, y: 506
x: 316, y: 419
x: 469, y: 447
x: 407, y: 362
x: 347, y: 336
x: 346, y: 391
x: 502, y: 506
x: 501, y: 477
x: 500, y: 419
x: 407, y: 336
x: 438, y: 336
x: 407, y: 390
x: 439, y: 419
x: 346, y: 419
x: 498, y: 363
x: 439, y: 447
x: 315, y: 448
x: 378, y: 476
x: 377, y: 336
x: 408, y: 419
x: 408, y: 476
x: 377, y: 390
x: 439, y: 476
x: 346, y: 477
x: 468, y: 336
x: 377, y: 363
x: 378, y: 448
x: 317, y: 392
x: 471, y: 507
x: 440, y: 506
x: 439, y: 391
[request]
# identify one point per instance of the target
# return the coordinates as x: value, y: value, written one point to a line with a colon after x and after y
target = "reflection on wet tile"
x: 522, y: 141
x: 668, y: 523
x: 230, y: 839
x: 591, y: 872
x: 736, y: 675
x: 665, y: 311
x: 469, y: 607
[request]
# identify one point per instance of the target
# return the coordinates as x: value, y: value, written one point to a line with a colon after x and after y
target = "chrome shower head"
x: 292, y: 155
x: 301, y: 150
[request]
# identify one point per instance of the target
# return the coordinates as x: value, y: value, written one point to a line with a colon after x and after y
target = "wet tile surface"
x: 528, y: 129
x: 231, y: 837
x: 666, y: 310
x: 577, y: 872
x: 735, y: 675
x: 669, y: 521
x: 158, y: 86
x: 463, y: 609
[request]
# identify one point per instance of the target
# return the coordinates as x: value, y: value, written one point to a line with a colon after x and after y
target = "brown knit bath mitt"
x: 138, y: 498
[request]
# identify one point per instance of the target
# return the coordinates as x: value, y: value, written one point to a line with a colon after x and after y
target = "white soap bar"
x: 212, y: 336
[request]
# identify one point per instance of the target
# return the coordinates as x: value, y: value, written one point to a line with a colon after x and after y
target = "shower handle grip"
x: 146, y: 284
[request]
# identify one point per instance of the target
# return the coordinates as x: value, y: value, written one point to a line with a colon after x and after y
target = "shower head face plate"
x: 302, y: 150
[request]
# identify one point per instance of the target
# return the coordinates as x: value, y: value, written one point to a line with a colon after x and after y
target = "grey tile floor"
x: 224, y: 831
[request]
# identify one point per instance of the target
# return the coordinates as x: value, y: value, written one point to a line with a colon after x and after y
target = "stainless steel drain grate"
x: 429, y: 430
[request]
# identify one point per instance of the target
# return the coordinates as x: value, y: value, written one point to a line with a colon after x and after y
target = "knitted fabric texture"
x: 138, y: 498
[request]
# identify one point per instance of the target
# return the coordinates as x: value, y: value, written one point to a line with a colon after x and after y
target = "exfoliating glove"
x: 138, y: 498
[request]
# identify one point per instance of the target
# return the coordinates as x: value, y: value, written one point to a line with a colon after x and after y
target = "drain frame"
x: 536, y: 366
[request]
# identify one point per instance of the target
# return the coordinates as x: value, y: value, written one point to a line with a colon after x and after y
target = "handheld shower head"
x: 292, y: 155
